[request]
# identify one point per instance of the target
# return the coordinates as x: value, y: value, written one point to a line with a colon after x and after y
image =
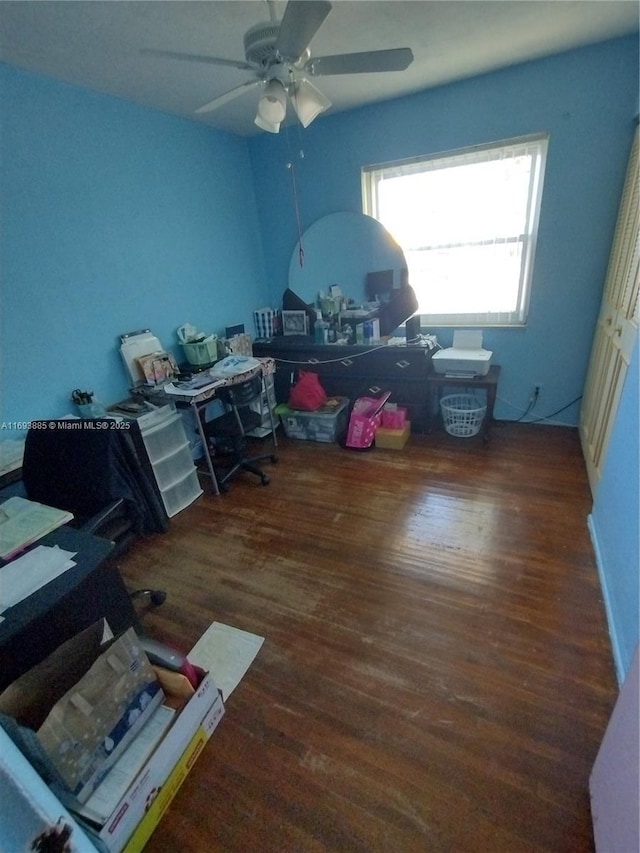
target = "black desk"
x: 91, y: 589
x: 437, y: 381
x: 357, y: 370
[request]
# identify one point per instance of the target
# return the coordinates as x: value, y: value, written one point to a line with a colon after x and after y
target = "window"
x: 467, y: 222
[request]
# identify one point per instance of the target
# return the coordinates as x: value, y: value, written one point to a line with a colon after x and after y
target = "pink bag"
x: 365, y: 420
x: 307, y: 394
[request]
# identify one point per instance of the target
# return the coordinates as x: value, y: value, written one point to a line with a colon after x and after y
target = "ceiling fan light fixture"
x: 308, y: 102
x: 272, y: 106
x: 271, y: 127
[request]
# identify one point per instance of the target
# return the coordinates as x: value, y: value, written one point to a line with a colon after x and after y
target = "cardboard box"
x: 75, y: 713
x: 393, y: 439
x: 170, y: 788
x: 148, y: 797
x: 30, y: 810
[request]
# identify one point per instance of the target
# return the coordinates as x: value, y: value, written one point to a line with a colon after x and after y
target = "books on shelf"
x: 23, y: 522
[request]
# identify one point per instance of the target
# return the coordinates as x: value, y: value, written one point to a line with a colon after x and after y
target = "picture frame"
x: 295, y: 323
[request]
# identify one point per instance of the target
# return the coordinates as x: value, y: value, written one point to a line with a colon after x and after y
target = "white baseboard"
x: 618, y: 655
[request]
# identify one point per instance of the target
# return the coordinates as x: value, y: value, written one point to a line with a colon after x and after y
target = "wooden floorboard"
x: 436, y: 673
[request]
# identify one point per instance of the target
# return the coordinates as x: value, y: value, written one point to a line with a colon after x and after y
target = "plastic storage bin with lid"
x: 326, y: 424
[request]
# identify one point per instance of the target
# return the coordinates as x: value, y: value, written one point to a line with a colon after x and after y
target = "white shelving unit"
x: 169, y: 452
x: 170, y: 457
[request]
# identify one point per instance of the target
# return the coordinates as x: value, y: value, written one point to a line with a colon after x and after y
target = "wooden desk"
x: 91, y: 589
x: 437, y: 381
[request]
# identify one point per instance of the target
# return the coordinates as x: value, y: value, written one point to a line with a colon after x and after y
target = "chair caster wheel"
x: 274, y: 458
x: 264, y: 480
x: 158, y: 597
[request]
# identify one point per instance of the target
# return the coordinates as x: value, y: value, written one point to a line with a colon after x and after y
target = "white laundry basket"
x: 462, y: 414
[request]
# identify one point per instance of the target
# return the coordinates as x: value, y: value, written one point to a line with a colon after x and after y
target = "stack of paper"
x: 28, y: 573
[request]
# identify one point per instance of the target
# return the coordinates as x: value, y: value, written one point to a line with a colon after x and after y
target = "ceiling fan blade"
x: 229, y: 96
x: 396, y: 59
x: 197, y: 57
x: 301, y: 21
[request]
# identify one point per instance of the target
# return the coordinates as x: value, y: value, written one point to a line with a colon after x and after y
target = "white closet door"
x: 616, y: 329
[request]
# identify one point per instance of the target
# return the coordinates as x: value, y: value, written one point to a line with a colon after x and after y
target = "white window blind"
x: 467, y: 222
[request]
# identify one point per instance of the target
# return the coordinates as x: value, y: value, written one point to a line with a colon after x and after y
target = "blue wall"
x: 586, y: 99
x: 615, y: 524
x: 114, y: 218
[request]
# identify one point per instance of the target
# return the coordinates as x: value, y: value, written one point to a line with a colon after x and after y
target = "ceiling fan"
x: 278, y: 54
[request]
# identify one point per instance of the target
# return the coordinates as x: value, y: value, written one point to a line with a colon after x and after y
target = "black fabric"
x: 242, y: 393
x: 83, y: 465
x: 227, y: 425
x: 236, y: 398
x: 401, y: 305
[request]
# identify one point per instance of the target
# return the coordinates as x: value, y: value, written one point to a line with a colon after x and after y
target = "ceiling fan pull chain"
x: 292, y: 169
x: 294, y: 187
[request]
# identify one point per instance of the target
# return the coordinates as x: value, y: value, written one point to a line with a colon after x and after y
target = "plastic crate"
x: 462, y: 414
x: 326, y: 424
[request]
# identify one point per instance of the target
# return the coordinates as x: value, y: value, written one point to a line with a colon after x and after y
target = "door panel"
x: 616, y: 329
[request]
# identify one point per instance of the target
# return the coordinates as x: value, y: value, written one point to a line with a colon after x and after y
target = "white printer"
x: 465, y: 358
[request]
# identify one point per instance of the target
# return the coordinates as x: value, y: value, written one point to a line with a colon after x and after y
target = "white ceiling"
x: 97, y: 44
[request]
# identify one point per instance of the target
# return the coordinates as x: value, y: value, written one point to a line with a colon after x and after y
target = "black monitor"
x: 379, y: 285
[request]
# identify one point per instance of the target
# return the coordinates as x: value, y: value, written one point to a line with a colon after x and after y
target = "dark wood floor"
x: 436, y: 673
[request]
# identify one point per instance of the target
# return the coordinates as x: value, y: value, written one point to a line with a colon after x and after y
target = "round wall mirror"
x: 345, y: 249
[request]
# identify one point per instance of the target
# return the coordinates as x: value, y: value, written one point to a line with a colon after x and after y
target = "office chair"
x: 99, y: 475
x: 227, y: 434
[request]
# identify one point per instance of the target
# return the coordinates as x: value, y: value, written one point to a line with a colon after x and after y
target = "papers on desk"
x: 233, y: 365
x: 189, y: 389
x: 23, y: 522
x: 24, y: 576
